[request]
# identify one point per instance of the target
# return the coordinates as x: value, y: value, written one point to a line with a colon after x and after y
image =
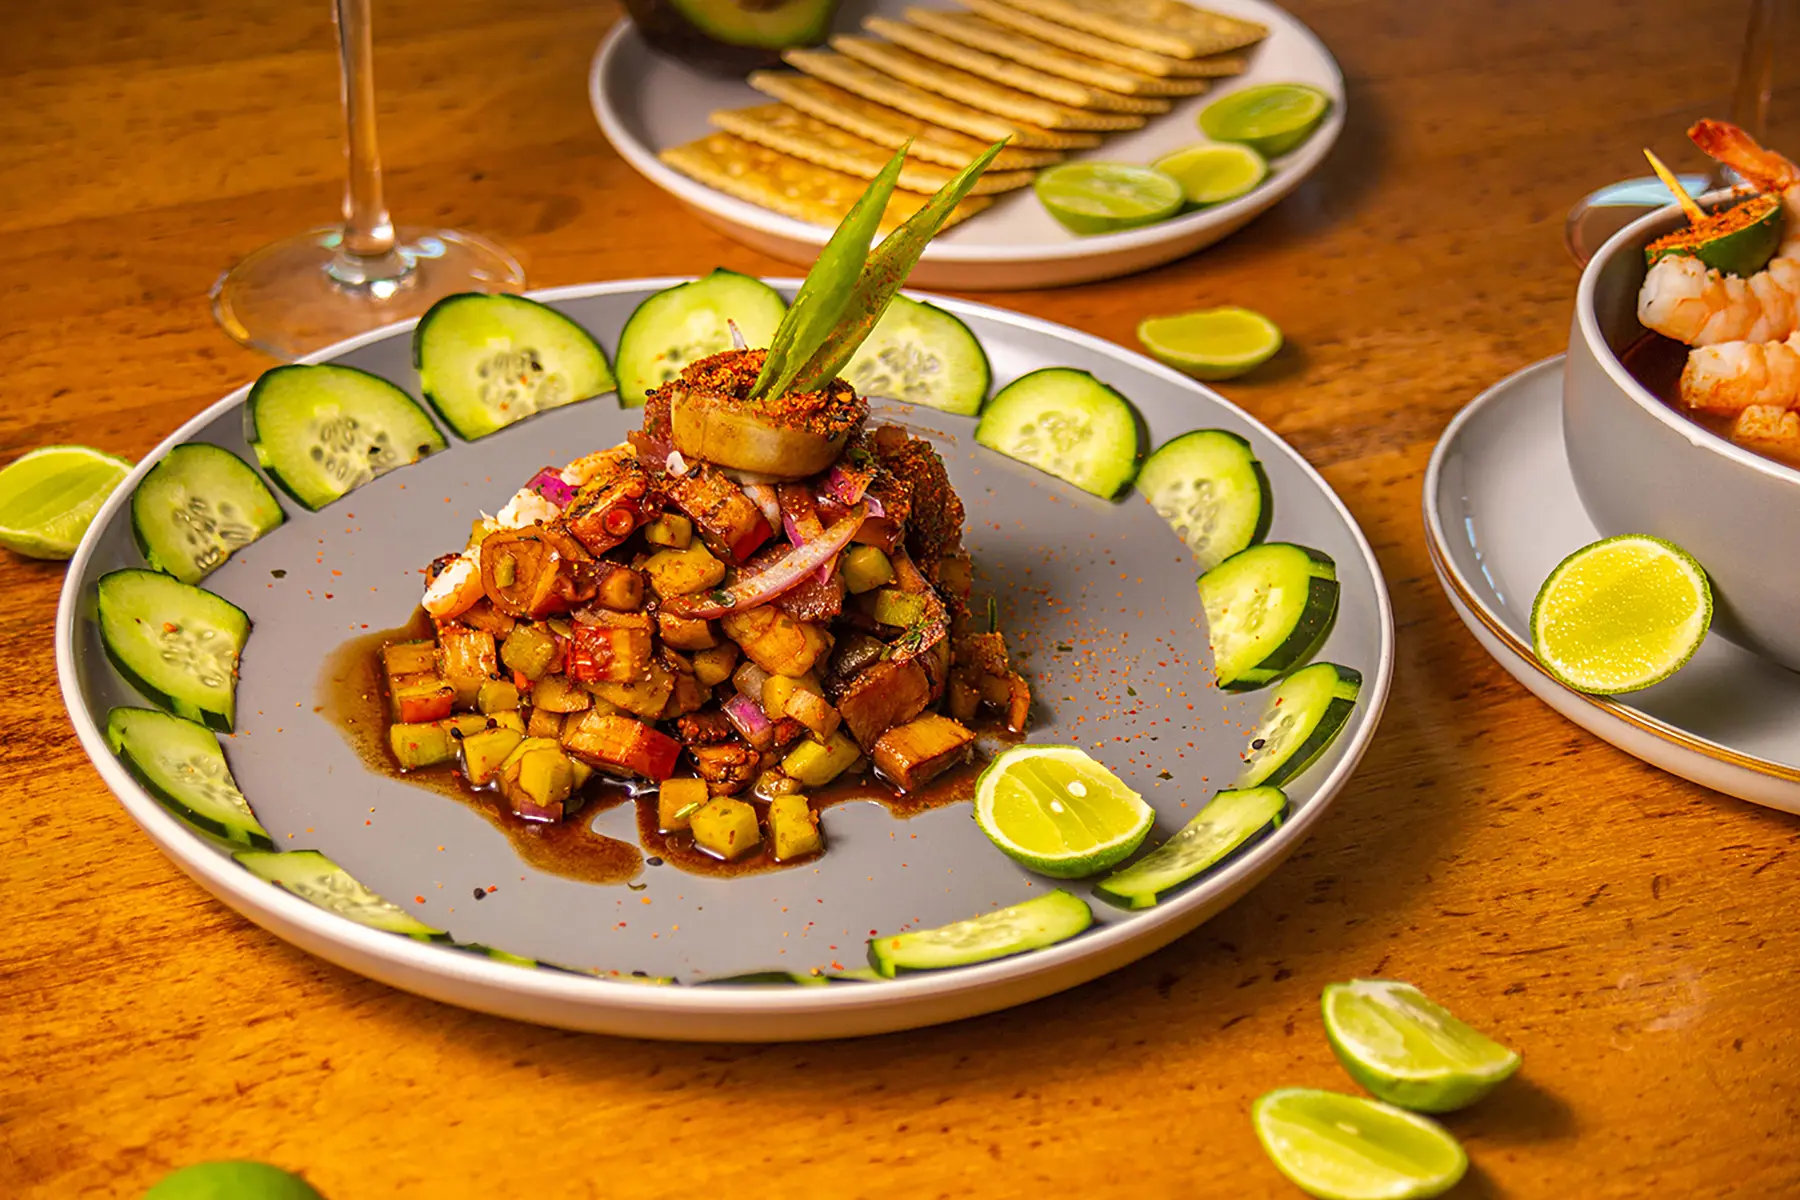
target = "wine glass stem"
x: 367, y: 251
x: 1750, y: 98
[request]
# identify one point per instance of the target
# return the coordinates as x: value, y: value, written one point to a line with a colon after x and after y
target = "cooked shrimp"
x: 1683, y: 299
x: 1731, y: 377
x: 456, y: 588
x: 1768, y: 430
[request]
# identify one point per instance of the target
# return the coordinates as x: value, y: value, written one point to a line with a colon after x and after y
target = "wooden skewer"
x: 1695, y: 214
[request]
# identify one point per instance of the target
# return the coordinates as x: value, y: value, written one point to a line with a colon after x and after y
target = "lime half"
x: 243, y: 1180
x: 1621, y: 614
x: 49, y: 496
x: 1212, y: 343
x: 1339, y: 1147
x: 1090, y: 197
x: 1059, y: 812
x: 1271, y: 119
x: 1214, y: 173
x: 1407, y: 1049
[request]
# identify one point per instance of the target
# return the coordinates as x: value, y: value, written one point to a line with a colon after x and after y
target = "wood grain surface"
x: 1632, y: 934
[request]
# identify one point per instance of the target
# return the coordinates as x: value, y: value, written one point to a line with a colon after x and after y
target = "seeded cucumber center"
x: 900, y: 371
x: 341, y: 894
x: 1273, y: 741
x: 1054, y: 439
x: 204, y: 654
x: 350, y: 452
x: 205, y: 777
x: 1193, y: 509
x: 211, y: 531
x: 514, y: 382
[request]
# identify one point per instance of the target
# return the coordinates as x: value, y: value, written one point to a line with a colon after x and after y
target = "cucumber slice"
x: 1304, y: 715
x: 1067, y: 423
x: 920, y: 354
x: 196, y: 506
x: 315, y: 878
x: 1222, y: 826
x: 686, y: 323
x: 1211, y: 490
x: 174, y: 642
x: 180, y: 763
x: 322, y: 431
x: 486, y: 361
x: 779, y: 978
x: 1029, y: 926
x: 1267, y: 610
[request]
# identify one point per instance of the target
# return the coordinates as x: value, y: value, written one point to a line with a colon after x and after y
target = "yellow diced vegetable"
x: 726, y: 828
x: 681, y: 572
x: 793, y: 828
x: 677, y: 800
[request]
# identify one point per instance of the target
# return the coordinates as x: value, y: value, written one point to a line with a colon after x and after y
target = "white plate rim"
x: 1437, y: 543
x: 741, y: 213
x: 257, y: 899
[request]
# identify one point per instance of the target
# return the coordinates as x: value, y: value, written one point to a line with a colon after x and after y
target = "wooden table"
x: 1631, y: 933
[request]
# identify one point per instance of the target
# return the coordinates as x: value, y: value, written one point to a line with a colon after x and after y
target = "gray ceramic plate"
x: 648, y: 102
x: 1098, y: 598
x: 1501, y: 511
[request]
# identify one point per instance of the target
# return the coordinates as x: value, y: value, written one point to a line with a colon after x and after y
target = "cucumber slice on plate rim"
x: 487, y: 361
x: 1068, y: 424
x: 1305, y: 713
x: 176, y: 643
x: 196, y: 506
x: 321, y: 431
x: 1031, y: 925
x: 1228, y: 821
x: 316, y: 879
x: 689, y: 322
x: 920, y: 354
x: 1268, y: 609
x: 180, y: 763
x: 1210, y: 488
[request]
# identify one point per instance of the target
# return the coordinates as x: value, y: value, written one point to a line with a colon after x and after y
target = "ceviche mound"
x: 748, y: 598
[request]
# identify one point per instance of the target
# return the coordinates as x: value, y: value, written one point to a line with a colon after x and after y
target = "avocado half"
x: 732, y: 35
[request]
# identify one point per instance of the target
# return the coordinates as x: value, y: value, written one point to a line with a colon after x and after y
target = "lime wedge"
x: 242, y: 1180
x: 1621, y: 614
x: 1271, y: 119
x: 1212, y: 343
x: 1339, y: 1147
x: 1407, y: 1049
x: 1090, y: 197
x: 1214, y: 173
x: 49, y: 496
x: 1057, y: 811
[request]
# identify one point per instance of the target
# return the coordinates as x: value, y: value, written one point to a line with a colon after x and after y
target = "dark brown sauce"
x: 350, y: 697
x: 1656, y: 362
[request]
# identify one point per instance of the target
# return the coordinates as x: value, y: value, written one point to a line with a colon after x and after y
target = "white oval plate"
x: 1500, y: 512
x: 321, y: 577
x: 646, y: 102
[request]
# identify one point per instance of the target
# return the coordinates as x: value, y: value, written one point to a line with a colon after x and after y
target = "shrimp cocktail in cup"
x: 1681, y: 395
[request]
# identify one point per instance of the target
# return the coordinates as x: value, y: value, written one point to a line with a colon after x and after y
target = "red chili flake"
x: 418, y: 899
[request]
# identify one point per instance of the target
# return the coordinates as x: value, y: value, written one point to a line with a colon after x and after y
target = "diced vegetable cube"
x: 865, y: 569
x: 646, y: 697
x: 507, y: 720
x: 686, y: 633
x: 463, y: 724
x: 616, y: 652
x: 497, y: 695
x: 538, y: 780
x: 713, y: 667
x: 682, y: 572
x: 677, y: 801
x: 422, y: 697
x: 777, y: 691
x: 775, y: 641
x: 484, y: 753
x: 408, y: 658
x: 671, y: 530
x: 815, y: 712
x: 621, y: 588
x: 793, y: 828
x: 816, y: 763
x: 690, y: 695
x: 913, y: 754
x: 559, y: 694
x: 903, y: 610
x: 466, y: 659
x: 619, y: 743
x: 543, y: 723
x: 529, y: 650
x: 726, y: 828
x: 421, y: 745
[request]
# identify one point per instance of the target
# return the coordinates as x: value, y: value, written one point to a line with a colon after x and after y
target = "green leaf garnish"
x: 887, y: 268
x: 822, y: 298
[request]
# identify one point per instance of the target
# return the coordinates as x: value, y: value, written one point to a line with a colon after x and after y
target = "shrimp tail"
x: 1726, y: 143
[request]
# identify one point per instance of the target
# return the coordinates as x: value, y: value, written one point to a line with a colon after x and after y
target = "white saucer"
x: 1501, y: 511
x: 647, y: 102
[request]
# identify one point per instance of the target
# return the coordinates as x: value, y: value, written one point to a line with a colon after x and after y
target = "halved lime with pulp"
x: 1212, y: 343
x: 1339, y: 1147
x: 242, y: 1180
x: 49, y: 496
x: 1214, y: 173
x: 1090, y: 197
x: 1271, y: 119
x: 1408, y: 1049
x: 1059, y: 812
x: 1621, y: 614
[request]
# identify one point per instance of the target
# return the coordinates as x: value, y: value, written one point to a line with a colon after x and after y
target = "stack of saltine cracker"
x: 1047, y: 75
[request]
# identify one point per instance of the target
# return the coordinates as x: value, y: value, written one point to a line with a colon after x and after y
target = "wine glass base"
x: 285, y: 300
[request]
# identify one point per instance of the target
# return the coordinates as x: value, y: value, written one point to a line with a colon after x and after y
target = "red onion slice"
x: 773, y: 581
x: 549, y: 484
x: 846, y: 485
x: 747, y: 717
x: 763, y: 496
